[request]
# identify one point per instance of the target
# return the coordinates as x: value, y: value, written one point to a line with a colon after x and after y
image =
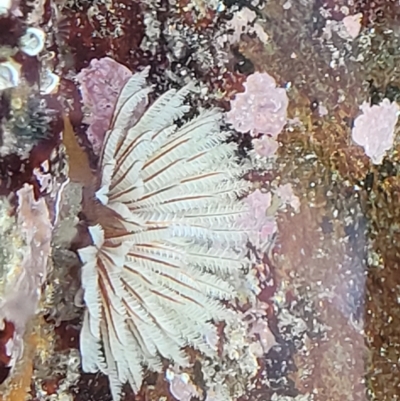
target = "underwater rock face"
x: 298, y: 302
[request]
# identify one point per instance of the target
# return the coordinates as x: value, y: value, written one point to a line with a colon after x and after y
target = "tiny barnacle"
x: 49, y: 83
x: 5, y: 6
x: 32, y: 43
x: 9, y: 74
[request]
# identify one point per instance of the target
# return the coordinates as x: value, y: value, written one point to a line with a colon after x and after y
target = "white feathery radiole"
x: 157, y: 271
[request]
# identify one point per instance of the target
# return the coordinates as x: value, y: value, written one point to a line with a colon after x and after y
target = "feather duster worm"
x: 165, y: 237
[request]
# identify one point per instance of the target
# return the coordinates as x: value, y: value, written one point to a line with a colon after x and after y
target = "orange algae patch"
x: 38, y: 346
x: 19, y: 385
x: 79, y: 169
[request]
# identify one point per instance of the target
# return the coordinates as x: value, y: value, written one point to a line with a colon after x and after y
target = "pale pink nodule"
x: 352, y: 23
x: 265, y: 146
x: 374, y: 129
x: 261, y: 108
x: 181, y: 387
x: 256, y: 220
x: 287, y: 196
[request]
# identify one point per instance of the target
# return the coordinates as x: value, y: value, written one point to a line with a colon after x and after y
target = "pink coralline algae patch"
x: 265, y: 146
x: 374, y: 129
x: 261, y: 108
x: 287, y: 196
x: 23, y: 283
x: 100, y: 84
x: 258, y: 220
x: 258, y: 327
x: 352, y: 24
